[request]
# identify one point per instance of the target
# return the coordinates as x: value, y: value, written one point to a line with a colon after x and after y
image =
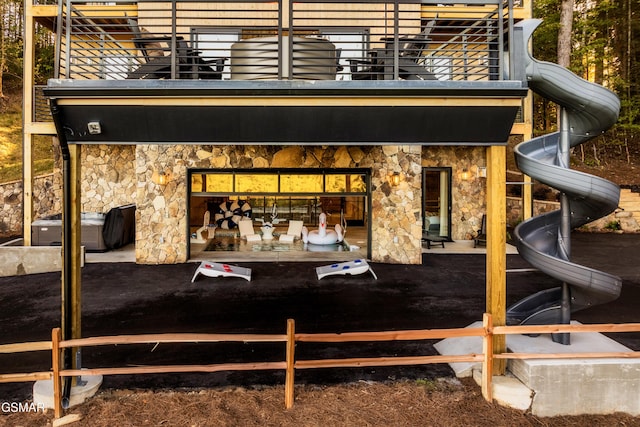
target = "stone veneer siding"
x: 468, y: 198
x: 47, y: 200
x: 161, y: 227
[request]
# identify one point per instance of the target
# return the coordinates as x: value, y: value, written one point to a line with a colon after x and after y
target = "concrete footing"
x: 43, y: 391
x: 553, y: 387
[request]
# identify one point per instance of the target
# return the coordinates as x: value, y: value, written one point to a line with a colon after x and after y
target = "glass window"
x: 218, y: 183
x: 256, y: 183
x: 196, y: 183
x: 336, y: 184
x: 356, y: 183
x: 299, y: 183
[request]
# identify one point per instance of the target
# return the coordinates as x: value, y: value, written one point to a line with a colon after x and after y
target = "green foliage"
x: 11, y: 149
x: 545, y: 40
x: 12, y: 76
x: 604, y: 50
x: 44, y: 64
x: 613, y: 226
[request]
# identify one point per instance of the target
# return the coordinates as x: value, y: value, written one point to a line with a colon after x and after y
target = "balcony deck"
x: 287, y: 72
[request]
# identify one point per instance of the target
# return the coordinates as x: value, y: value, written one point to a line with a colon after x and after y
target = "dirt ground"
x: 446, y: 291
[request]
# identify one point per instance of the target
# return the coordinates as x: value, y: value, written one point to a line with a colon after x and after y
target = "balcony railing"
x: 284, y: 40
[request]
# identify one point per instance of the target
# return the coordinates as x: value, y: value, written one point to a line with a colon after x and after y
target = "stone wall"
x: 161, y: 229
x: 107, y: 175
x: 47, y: 200
x: 468, y: 197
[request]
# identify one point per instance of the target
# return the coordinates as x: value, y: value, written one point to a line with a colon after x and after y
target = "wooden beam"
x: 527, y: 188
x: 50, y: 11
x: 290, y: 360
x: 56, y: 336
x: 25, y: 347
x: 27, y: 114
x: 40, y: 128
x: 76, y: 264
x: 496, y: 279
x: 487, y: 364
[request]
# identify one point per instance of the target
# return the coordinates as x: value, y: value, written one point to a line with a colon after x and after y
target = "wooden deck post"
x: 290, y: 373
x: 496, y: 280
x: 487, y: 364
x: 56, y: 335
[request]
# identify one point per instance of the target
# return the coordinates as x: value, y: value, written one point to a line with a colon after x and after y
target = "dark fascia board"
x: 153, y: 119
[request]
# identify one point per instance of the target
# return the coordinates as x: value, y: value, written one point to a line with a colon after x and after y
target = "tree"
x: 565, y: 32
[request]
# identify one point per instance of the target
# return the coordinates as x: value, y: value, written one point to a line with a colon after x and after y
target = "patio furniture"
x: 293, y: 232
x: 351, y: 268
x: 432, y: 235
x: 214, y: 269
x: 381, y: 62
x: 481, y: 236
x: 197, y: 236
x: 246, y: 230
x: 157, y: 53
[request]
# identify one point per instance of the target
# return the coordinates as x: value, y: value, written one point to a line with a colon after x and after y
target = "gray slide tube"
x: 590, y: 110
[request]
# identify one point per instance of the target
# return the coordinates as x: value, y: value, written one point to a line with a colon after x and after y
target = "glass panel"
x: 218, y: 182
x: 196, y: 183
x: 258, y: 183
x: 336, y: 183
x: 356, y: 184
x: 299, y: 183
x: 436, y: 202
x: 345, y: 183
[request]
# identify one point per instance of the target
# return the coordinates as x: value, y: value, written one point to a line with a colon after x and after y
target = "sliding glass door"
x: 436, y: 200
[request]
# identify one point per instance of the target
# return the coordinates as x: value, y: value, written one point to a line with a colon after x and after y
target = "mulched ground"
x: 446, y: 403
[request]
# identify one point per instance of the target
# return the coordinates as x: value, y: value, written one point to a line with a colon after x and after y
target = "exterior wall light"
x: 465, y: 174
x: 161, y: 177
x: 395, y: 179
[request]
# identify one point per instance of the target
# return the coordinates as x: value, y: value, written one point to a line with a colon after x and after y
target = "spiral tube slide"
x: 589, y: 109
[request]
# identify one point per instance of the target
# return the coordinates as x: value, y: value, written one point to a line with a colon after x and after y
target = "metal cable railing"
x: 264, y: 40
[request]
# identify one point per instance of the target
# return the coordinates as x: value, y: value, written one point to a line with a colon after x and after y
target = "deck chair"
x: 156, y: 51
x: 481, y: 235
x: 410, y: 59
x: 246, y: 230
x: 293, y: 232
x: 205, y: 226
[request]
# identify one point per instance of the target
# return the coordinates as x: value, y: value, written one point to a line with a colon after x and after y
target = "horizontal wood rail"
x: 25, y: 347
x: 291, y: 338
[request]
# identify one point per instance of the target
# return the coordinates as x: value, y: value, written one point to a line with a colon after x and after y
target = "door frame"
x: 448, y: 170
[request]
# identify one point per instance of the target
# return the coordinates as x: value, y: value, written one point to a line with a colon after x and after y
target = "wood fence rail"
x: 289, y: 364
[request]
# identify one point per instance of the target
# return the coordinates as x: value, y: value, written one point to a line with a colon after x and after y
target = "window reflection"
x: 258, y: 183
x: 218, y: 182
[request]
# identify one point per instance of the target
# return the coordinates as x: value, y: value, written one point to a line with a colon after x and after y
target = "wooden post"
x: 27, y: 117
x: 76, y: 223
x: 487, y: 364
x: 56, y: 335
x: 71, y: 268
x: 496, y: 280
x: 289, y: 376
